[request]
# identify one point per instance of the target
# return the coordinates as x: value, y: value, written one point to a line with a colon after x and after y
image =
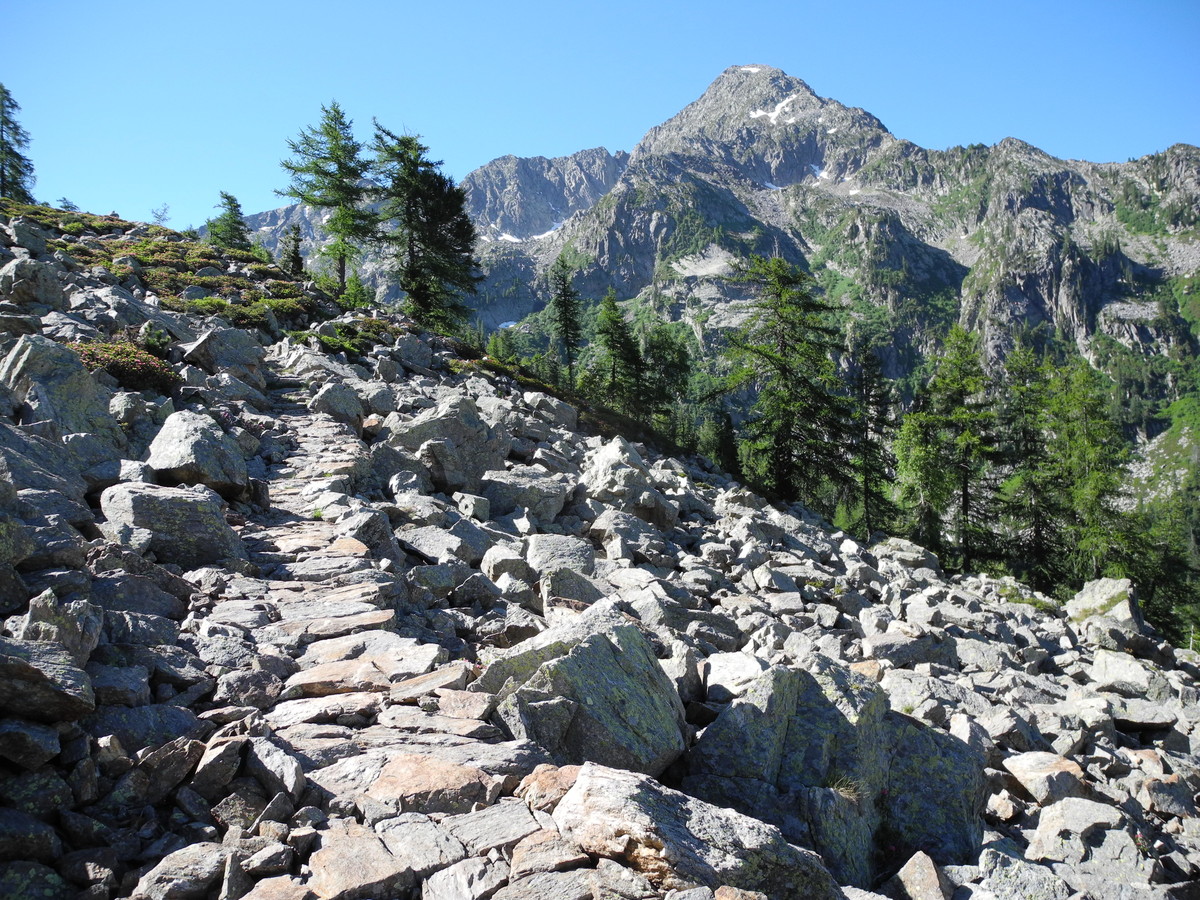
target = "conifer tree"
x: 796, y: 440
x: 945, y: 449
x: 290, y: 258
x: 328, y: 171
x: 564, y: 314
x: 1033, y: 507
x: 620, y: 366
x: 667, y: 366
x: 873, y: 426
x: 16, y: 171
x: 228, y: 230
x: 1088, y: 455
x: 425, y: 229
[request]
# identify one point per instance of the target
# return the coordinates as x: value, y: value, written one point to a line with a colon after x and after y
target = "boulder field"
x: 396, y: 627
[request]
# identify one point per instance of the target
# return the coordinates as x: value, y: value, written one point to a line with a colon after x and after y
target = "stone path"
x: 362, y: 717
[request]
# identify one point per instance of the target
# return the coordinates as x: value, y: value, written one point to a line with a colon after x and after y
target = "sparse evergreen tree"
x: 162, y: 214
x: 66, y: 205
x: 620, y: 365
x: 667, y: 366
x: 926, y: 481
x: 945, y: 450
x: 328, y: 171
x: 290, y: 258
x: 564, y: 314
x: 1088, y: 455
x: 426, y: 230
x: 1033, y: 507
x: 502, y: 347
x: 796, y: 441
x: 228, y: 230
x: 873, y: 427
x: 16, y: 171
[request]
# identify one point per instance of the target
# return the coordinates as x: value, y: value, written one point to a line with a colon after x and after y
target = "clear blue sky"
x: 132, y: 103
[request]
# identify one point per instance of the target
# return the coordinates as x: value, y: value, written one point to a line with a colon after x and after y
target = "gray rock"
x: 470, y: 879
x: 341, y: 403
x: 679, y: 842
x: 616, y: 475
x: 120, y: 685
x: 182, y: 526
x: 142, y: 726
x: 192, y: 449
x: 52, y: 383
x: 28, y: 744
x: 228, y: 350
x: 42, y: 682
x: 547, y: 552
x: 74, y: 625
x: 1113, y: 598
x: 475, y: 446
x: 24, y: 837
x: 524, y: 487
x: 32, y: 283
x: 606, y: 700
x: 352, y: 863
x: 187, y: 874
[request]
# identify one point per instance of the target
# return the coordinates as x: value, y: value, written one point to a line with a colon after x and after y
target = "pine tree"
x: 16, y: 171
x: 1088, y: 455
x: 228, y: 230
x: 620, y: 365
x: 797, y: 438
x: 945, y: 451
x: 426, y: 230
x: 290, y: 258
x: 873, y: 426
x: 667, y: 366
x: 1033, y: 508
x: 564, y: 314
x: 328, y: 171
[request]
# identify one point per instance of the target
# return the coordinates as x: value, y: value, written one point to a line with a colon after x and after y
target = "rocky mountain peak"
x: 768, y: 124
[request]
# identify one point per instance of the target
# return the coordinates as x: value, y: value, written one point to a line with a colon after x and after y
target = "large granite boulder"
x: 184, y: 526
x: 229, y: 350
x: 52, y: 384
x: 606, y: 700
x: 192, y: 449
x: 617, y: 475
x: 817, y: 753
x: 42, y: 682
x: 680, y: 843
x: 453, y: 441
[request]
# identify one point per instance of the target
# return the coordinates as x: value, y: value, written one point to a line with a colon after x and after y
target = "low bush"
x: 134, y: 369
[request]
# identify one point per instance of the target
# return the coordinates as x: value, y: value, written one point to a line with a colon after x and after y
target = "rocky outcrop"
x: 463, y: 648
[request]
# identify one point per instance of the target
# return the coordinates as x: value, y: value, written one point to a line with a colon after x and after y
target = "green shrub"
x: 134, y: 368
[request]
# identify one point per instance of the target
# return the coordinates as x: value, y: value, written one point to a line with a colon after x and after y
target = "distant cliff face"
x: 906, y: 239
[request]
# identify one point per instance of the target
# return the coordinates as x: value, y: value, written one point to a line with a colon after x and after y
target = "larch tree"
x: 425, y: 229
x: 290, y: 258
x: 619, y: 367
x: 564, y: 308
x: 329, y: 171
x: 229, y: 229
x: 797, y: 436
x: 873, y: 425
x: 16, y: 171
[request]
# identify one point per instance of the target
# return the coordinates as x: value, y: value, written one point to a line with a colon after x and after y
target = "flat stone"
x: 545, y: 851
x: 471, y: 879
x: 499, y: 826
x: 414, y: 783
x: 453, y: 676
x: 679, y: 842
x: 1047, y: 777
x: 42, y: 682
x: 420, y: 843
x: 185, y: 874
x: 353, y: 863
